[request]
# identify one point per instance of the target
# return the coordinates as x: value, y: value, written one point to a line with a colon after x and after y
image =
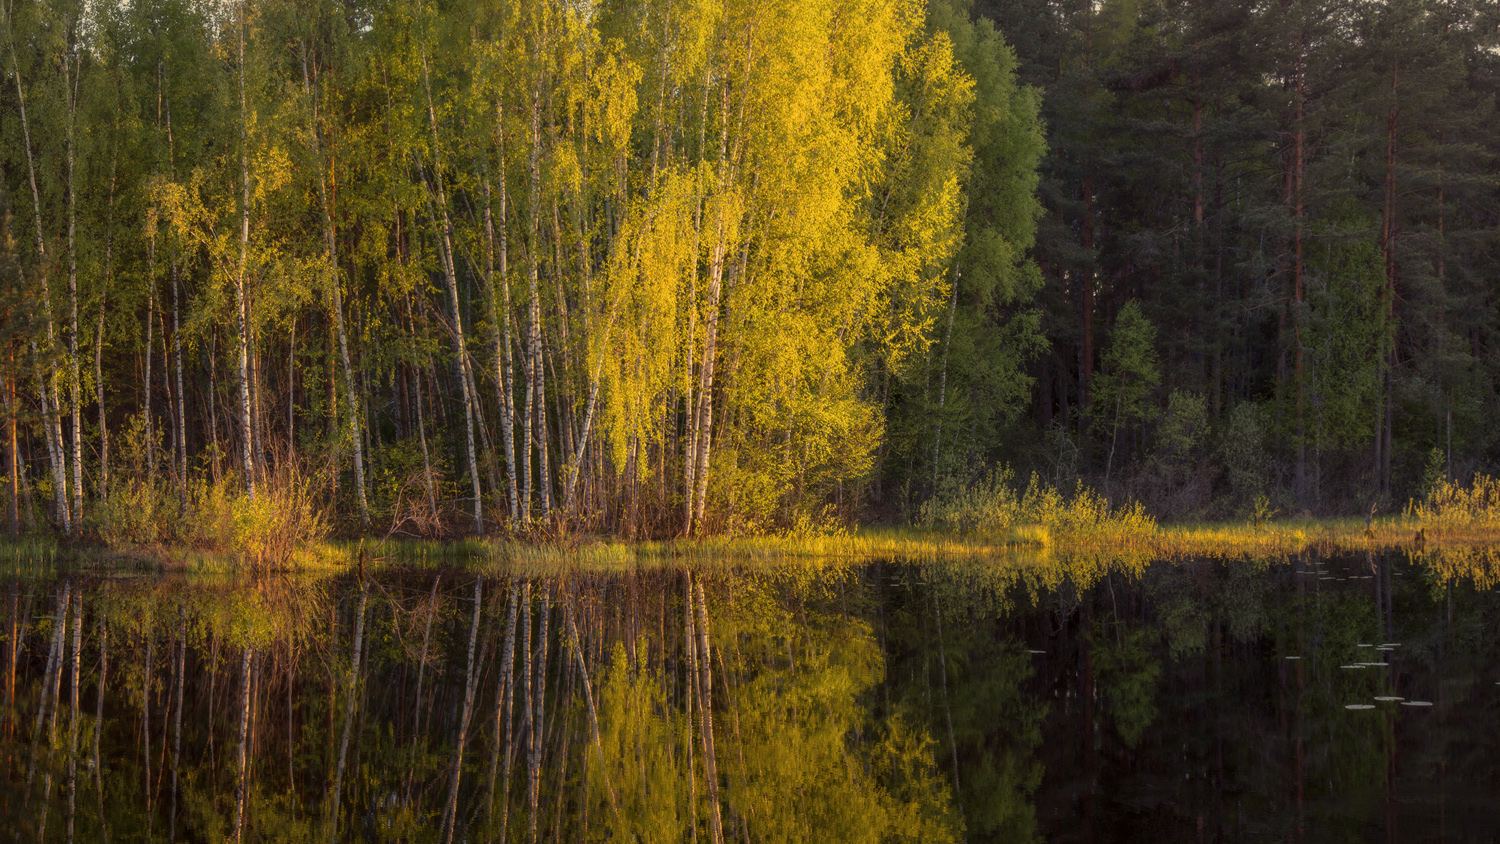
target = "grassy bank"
x: 990, y: 522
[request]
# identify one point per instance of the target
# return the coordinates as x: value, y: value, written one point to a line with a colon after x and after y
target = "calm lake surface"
x: 1350, y: 698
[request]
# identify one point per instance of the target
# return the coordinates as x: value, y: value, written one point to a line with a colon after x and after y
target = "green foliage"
x: 1243, y: 454
x: 1131, y: 370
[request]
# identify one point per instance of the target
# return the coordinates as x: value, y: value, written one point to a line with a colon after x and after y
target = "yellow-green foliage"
x: 993, y: 509
x: 217, y: 518
x: 1448, y: 505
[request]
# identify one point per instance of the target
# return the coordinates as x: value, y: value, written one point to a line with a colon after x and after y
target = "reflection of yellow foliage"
x: 1478, y: 564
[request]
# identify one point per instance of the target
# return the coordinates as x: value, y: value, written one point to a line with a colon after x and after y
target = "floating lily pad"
x: 1355, y: 665
x: 1298, y: 657
x: 1391, y: 645
x: 1035, y: 651
x: 1364, y: 645
x: 1359, y: 706
x: 1416, y: 703
x: 1388, y: 698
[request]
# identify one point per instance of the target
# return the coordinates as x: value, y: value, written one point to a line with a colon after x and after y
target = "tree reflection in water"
x: 1057, y: 699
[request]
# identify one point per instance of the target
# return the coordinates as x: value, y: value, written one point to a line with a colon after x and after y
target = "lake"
x: 1314, y: 698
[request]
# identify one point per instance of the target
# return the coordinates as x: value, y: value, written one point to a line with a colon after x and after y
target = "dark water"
x: 1055, y: 700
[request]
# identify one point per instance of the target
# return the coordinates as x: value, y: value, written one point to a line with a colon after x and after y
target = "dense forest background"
x: 673, y: 267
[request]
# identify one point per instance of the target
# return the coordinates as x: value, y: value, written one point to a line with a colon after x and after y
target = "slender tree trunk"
x: 937, y: 435
x: 500, y: 321
x: 450, y: 275
x: 240, y: 302
x: 1298, y: 293
x: 109, y: 242
x: 51, y: 423
x: 536, y: 414
x: 13, y: 447
x: 330, y: 250
x: 70, y: 94
x: 181, y: 437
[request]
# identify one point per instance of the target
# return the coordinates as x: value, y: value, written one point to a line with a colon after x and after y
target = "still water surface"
x: 1306, y: 699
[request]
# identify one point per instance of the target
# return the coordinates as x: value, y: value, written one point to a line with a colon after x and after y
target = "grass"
x: 988, y: 523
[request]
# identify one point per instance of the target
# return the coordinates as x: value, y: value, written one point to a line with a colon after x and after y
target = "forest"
x: 681, y: 267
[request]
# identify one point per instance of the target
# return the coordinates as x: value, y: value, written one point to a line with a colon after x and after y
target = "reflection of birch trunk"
x: 61, y: 638
x: 690, y: 698
x: 937, y: 617
x: 539, y: 682
x: 504, y: 695
x: 54, y: 658
x: 73, y: 719
x: 471, y: 679
x: 335, y: 793
x: 146, y: 725
x: 241, y: 760
x: 526, y: 706
x: 706, y: 718
x: 177, y: 724
x: 99, y: 721
x: 588, y: 697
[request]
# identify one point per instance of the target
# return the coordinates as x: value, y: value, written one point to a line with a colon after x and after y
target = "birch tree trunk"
x: 330, y: 248
x: 70, y: 95
x: 450, y: 275
x: 241, y: 306
x: 500, y: 320
x: 50, y: 420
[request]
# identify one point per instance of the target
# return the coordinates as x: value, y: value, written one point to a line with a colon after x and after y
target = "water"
x: 1308, y: 699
